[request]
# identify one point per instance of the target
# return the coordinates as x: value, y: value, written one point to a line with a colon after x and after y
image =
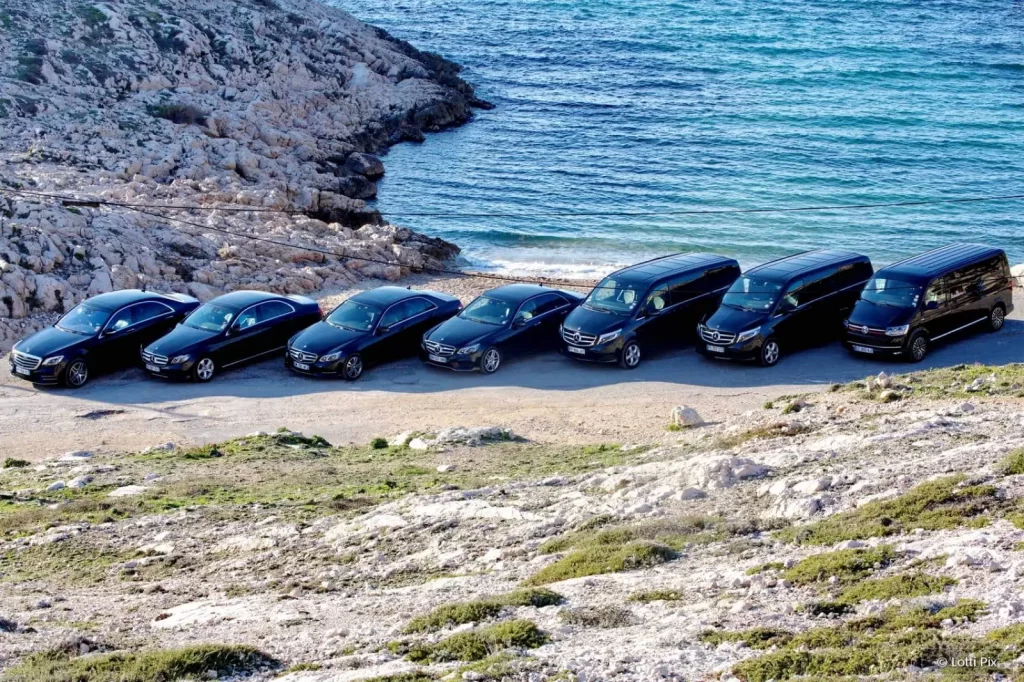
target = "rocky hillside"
x: 872, y: 532
x: 241, y: 103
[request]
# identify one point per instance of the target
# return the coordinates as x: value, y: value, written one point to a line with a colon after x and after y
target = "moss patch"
x: 603, y: 559
x: 142, y: 666
x: 755, y: 638
x: 848, y: 565
x: 934, y: 505
x: 1013, y: 464
x: 597, y: 617
x: 461, y: 613
x: 476, y: 645
x: 900, y: 586
x: 649, y: 596
x: 952, y: 382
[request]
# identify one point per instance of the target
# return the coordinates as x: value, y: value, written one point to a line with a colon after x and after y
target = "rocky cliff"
x: 270, y: 104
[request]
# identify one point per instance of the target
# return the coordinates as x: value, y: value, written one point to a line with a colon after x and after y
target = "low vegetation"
x: 181, y: 114
x: 878, y: 644
x: 934, y: 505
x: 648, y: 596
x: 902, y: 586
x: 953, y: 382
x: 845, y: 565
x: 776, y: 430
x: 451, y: 615
x: 478, y: 644
x: 144, y: 666
x: 603, y: 559
x: 597, y: 616
x: 1013, y: 464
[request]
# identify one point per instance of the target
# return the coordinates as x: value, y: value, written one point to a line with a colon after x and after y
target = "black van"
x: 910, y: 305
x: 784, y: 304
x: 646, y: 305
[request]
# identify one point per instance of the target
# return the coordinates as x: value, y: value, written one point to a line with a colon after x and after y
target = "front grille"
x: 153, y: 358
x: 26, y: 361
x: 435, y: 348
x: 716, y: 336
x: 302, y: 356
x: 578, y: 338
x: 861, y: 329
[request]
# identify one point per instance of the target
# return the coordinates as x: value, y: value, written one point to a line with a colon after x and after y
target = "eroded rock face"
x: 268, y: 105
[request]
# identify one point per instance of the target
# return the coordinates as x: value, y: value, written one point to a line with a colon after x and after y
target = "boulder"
x: 685, y: 417
x: 365, y: 164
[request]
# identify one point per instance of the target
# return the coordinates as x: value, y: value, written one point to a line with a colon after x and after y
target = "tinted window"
x: 615, y: 296
x: 416, y: 306
x: 271, y: 309
x: 210, y: 318
x: 685, y: 287
x: 549, y: 302
x: 395, y: 314
x: 84, y: 319
x: 895, y: 293
x: 145, y: 312
x: 657, y: 300
x: 721, y: 277
x: 529, y: 309
x: 752, y: 293
x: 937, y: 291
x: 818, y: 285
x: 795, y: 295
x: 488, y: 310
x: 122, y: 319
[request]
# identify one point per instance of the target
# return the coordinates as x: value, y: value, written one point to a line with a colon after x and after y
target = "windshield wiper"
x: 73, y: 331
x: 342, y: 326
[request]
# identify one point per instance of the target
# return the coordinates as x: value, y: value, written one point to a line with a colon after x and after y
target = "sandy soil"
x: 544, y: 398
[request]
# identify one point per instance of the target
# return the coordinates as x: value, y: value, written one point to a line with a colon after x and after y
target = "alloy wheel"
x: 996, y: 318
x: 492, y: 360
x: 205, y: 369
x: 771, y: 352
x: 77, y: 374
x: 632, y: 355
x: 919, y: 348
x: 354, y: 368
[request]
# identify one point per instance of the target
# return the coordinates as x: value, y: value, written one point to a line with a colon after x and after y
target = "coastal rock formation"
x: 273, y: 105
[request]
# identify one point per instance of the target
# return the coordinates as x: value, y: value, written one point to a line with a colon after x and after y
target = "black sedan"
x: 510, y: 320
x: 371, y: 327
x: 100, y: 334
x: 227, y: 331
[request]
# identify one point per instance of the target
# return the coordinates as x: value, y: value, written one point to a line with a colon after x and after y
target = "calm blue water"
x: 636, y: 105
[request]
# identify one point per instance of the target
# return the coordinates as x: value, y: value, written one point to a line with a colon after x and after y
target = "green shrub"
x: 476, y: 645
x: 14, y: 463
x: 451, y: 615
x: 181, y: 114
x: 755, y: 638
x: 603, y: 559
x: 896, y: 587
x: 933, y: 505
x: 597, y: 617
x: 379, y: 443
x: 656, y: 595
x: 848, y: 565
x: 770, y: 566
x: 1013, y: 464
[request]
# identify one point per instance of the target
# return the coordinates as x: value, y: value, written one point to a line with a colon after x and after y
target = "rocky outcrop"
x: 266, y: 104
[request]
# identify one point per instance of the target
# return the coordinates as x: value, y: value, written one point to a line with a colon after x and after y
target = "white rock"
x: 691, y: 494
x: 446, y: 468
x: 128, y: 491
x: 55, y: 486
x: 686, y: 417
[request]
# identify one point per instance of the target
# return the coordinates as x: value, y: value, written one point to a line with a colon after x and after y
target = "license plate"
x: 437, y: 358
x: 301, y: 365
x: 22, y: 370
x: 716, y: 349
x: 152, y: 368
x: 578, y: 351
x: 863, y: 349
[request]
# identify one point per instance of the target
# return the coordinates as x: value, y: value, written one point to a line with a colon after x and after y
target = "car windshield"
x: 84, y: 319
x: 355, y: 316
x: 488, y: 310
x: 614, y: 297
x: 755, y: 294
x: 892, y: 292
x: 210, y: 318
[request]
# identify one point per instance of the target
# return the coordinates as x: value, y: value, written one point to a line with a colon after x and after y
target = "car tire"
x: 917, y: 349
x: 631, y: 355
x: 353, y: 368
x: 490, y: 361
x: 77, y: 373
x: 770, y: 352
x: 204, y: 370
x: 996, y: 317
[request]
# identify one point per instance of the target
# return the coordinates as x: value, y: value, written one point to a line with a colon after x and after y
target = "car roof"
x: 385, y: 296
x: 797, y: 265
x: 930, y: 264
x: 236, y: 300
x: 116, y: 299
x: 676, y: 263
x: 514, y: 293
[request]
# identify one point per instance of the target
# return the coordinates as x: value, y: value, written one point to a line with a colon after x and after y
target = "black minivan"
x: 646, y: 305
x: 908, y: 306
x: 786, y: 303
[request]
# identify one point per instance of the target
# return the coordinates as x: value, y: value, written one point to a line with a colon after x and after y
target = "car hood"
x: 460, y: 332
x: 324, y: 338
x: 734, y: 320
x: 593, y: 321
x: 180, y: 340
x: 52, y: 341
x: 868, y: 314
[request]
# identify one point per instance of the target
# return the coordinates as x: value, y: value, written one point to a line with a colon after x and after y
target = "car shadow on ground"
x: 807, y: 368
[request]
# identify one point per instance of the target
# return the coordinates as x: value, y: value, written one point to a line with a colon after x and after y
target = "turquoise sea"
x: 637, y: 105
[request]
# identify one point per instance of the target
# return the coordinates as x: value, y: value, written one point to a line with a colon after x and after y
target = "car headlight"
x: 469, y: 349
x: 747, y: 335
x: 180, y: 359
x: 898, y: 331
x: 331, y: 357
x: 610, y: 336
x: 54, y: 360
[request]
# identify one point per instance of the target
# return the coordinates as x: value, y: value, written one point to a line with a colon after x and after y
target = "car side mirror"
x: 785, y: 307
x: 518, y: 323
x: 931, y: 305
x: 382, y: 330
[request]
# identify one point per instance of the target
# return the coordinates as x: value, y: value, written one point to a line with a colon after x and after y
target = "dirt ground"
x: 543, y: 398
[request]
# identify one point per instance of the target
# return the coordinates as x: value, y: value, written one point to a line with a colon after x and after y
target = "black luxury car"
x: 371, y: 327
x: 510, y: 320
x: 908, y: 306
x: 100, y: 334
x: 784, y: 304
x: 227, y: 331
x: 651, y: 304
